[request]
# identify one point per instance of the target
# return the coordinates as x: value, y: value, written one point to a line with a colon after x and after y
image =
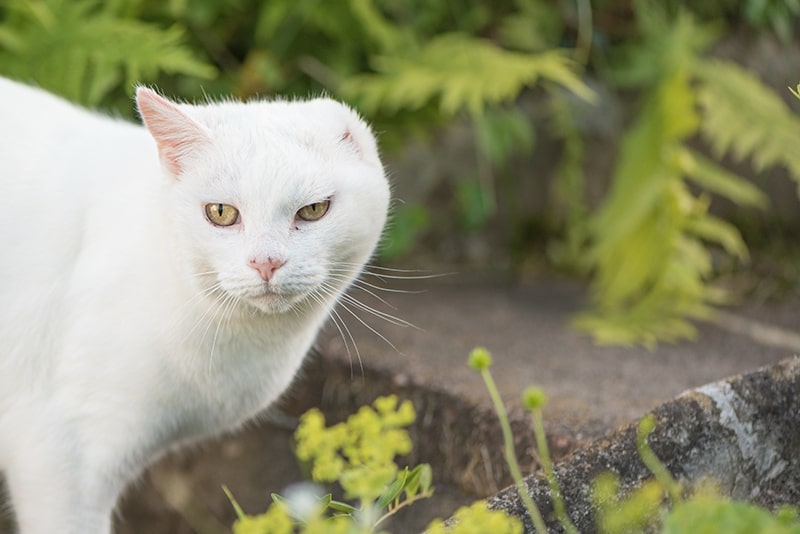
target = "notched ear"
x: 358, y: 137
x: 347, y: 139
x: 176, y: 134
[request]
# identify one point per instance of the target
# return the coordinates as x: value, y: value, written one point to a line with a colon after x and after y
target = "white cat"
x: 162, y: 284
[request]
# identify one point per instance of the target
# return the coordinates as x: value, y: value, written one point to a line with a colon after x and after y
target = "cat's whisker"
x: 394, y: 273
x: 206, y: 312
x: 363, y: 285
x: 199, y: 295
x: 214, y: 310
x: 383, y: 276
x: 360, y: 282
x: 231, y: 310
x: 369, y: 267
x: 354, y: 285
x: 227, y: 312
x: 210, y: 317
x: 360, y: 320
x: 374, y: 295
x: 391, y: 319
x: 336, y: 319
x: 206, y: 273
x: 335, y: 313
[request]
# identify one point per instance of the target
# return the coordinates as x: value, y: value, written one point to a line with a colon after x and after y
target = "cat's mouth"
x: 272, y: 300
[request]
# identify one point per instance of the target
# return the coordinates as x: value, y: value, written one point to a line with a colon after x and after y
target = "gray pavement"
x: 592, y: 391
x: 527, y: 327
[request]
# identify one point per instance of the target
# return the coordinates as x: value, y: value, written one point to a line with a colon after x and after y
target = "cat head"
x: 272, y: 204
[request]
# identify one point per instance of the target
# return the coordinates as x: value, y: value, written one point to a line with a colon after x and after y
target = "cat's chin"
x: 271, y: 303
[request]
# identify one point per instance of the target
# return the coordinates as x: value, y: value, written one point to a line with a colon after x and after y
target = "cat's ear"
x: 176, y: 134
x: 357, y: 137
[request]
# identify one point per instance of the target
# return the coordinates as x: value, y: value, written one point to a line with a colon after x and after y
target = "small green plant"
x: 477, y: 519
x: 661, y: 504
x: 358, y: 454
x: 534, y: 400
x: 480, y: 360
x: 664, y: 505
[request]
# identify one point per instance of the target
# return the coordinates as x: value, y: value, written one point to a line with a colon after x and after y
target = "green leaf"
x: 343, y: 507
x: 668, y: 43
x: 714, y: 178
x: 477, y: 203
x: 11, y: 41
x: 238, y: 509
x: 460, y: 72
x: 714, y: 515
x: 537, y: 26
x: 278, y: 498
x: 501, y: 133
x: 425, y: 478
x: 716, y: 230
x: 406, y: 224
x: 393, y: 490
x: 413, y: 480
x: 81, y: 51
x: 743, y: 117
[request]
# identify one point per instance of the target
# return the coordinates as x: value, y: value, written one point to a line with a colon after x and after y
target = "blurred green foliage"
x: 413, y: 66
x: 648, y: 243
x: 84, y: 49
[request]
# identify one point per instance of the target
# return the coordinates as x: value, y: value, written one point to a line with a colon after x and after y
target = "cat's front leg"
x: 50, y: 495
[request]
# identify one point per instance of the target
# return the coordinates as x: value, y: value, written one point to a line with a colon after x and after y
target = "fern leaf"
x: 643, y: 174
x: 651, y: 265
x: 714, y: 229
x: 714, y: 178
x: 81, y: 51
x: 744, y: 117
x: 461, y: 72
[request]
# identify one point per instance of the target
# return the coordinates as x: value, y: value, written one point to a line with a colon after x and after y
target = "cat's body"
x: 131, y: 319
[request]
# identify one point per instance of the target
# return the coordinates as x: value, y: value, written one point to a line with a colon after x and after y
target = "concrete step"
x: 592, y: 390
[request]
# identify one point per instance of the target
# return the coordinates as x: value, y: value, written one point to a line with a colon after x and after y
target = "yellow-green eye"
x: 315, y: 211
x: 222, y: 214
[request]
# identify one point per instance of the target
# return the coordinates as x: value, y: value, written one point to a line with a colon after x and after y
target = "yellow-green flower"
x: 477, y: 519
x: 480, y: 359
x: 275, y: 520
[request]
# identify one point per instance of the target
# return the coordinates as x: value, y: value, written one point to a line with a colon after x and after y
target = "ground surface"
x: 591, y: 389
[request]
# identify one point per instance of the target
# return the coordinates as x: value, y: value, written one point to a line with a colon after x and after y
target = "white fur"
x: 114, y: 347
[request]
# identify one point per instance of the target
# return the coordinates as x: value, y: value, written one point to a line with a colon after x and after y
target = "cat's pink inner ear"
x: 359, y: 139
x: 175, y: 133
x: 347, y: 139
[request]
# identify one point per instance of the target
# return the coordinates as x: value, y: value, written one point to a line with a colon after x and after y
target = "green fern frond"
x: 714, y: 178
x: 461, y: 72
x: 649, y: 241
x: 651, y: 264
x: 536, y: 26
x: 82, y: 51
x: 742, y: 116
x: 669, y: 43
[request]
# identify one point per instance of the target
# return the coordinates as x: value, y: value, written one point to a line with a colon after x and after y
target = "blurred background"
x: 647, y: 148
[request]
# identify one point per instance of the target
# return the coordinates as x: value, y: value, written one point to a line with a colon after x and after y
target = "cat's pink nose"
x: 266, y: 267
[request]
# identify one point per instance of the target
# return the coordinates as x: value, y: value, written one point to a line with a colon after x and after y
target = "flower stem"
x: 552, y: 481
x: 511, y: 457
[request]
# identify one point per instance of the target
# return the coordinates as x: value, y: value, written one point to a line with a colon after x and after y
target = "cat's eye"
x: 315, y: 211
x: 222, y: 214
